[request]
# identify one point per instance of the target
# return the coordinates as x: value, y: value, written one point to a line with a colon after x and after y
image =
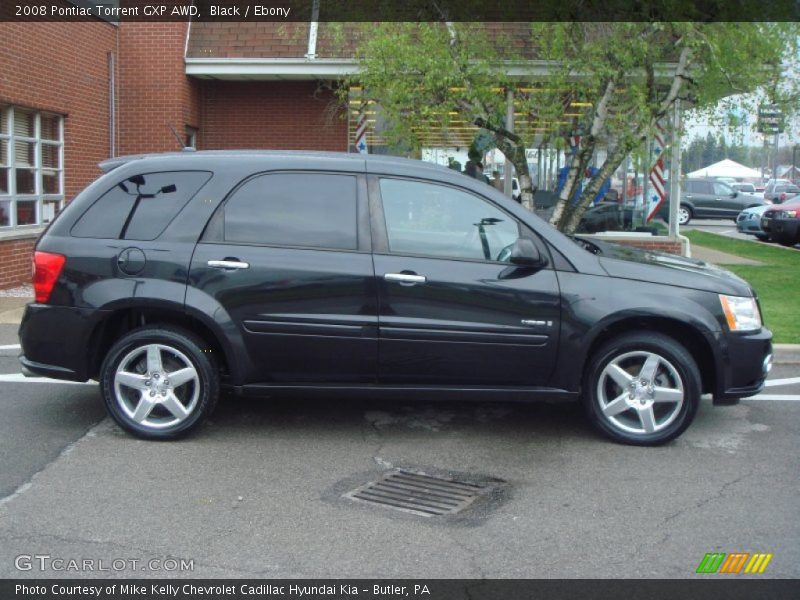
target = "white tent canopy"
x: 727, y: 168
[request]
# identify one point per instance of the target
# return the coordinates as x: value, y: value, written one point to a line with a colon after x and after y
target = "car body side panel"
x: 587, y: 315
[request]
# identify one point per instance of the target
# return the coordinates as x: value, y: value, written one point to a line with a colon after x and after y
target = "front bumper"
x: 743, y: 365
x: 749, y: 225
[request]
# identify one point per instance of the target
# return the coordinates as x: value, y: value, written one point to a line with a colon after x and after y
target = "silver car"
x: 749, y: 221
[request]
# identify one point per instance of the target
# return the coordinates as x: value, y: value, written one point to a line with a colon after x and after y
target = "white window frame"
x: 10, y: 139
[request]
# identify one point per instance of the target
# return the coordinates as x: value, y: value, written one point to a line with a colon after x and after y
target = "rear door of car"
x: 452, y: 309
x: 287, y: 256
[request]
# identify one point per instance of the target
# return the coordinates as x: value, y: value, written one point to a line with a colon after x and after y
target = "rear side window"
x: 141, y: 207
x: 315, y: 210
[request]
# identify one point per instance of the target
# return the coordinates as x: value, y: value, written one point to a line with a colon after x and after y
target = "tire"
x: 787, y: 242
x: 762, y: 237
x: 637, y: 414
x: 685, y: 214
x: 136, y: 386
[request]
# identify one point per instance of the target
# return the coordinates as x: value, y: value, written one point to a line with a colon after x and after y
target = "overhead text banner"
x: 394, y: 10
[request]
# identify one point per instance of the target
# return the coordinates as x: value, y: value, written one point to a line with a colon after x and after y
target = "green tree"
x: 625, y: 77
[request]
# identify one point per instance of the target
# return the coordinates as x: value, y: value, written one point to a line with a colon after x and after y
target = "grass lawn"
x: 777, y: 281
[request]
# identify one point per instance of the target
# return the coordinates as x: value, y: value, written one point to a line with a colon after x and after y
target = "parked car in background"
x: 747, y: 188
x: 783, y: 192
x: 782, y: 223
x: 749, y: 221
x: 769, y: 189
x: 709, y: 199
x: 173, y: 277
x: 606, y: 216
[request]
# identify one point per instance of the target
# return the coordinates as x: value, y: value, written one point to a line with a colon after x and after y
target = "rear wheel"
x: 684, y: 214
x: 159, y: 383
x: 642, y: 389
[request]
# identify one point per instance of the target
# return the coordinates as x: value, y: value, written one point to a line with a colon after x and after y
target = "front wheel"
x: 642, y: 389
x: 159, y: 382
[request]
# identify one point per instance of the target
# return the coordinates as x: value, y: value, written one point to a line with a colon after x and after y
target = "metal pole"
x: 775, y: 158
x: 509, y: 170
x: 675, y: 172
x: 794, y: 164
x: 646, y: 179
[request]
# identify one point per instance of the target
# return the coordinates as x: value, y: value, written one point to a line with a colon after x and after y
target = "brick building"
x: 74, y: 94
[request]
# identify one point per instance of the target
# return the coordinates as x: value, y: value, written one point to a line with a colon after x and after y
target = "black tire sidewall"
x: 191, y: 346
x: 659, y: 344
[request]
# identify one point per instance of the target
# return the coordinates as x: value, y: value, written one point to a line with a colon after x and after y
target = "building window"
x: 31, y: 166
x: 191, y: 138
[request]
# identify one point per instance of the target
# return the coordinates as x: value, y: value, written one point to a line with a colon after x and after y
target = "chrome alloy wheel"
x: 156, y: 386
x: 640, y: 392
x: 683, y: 215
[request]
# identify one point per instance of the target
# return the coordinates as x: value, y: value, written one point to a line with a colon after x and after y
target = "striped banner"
x: 361, y: 133
x: 659, y: 182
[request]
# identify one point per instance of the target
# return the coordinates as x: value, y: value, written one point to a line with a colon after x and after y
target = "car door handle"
x: 228, y: 264
x: 405, y: 278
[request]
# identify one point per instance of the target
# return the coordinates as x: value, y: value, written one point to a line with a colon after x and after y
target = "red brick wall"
x: 63, y: 68
x: 60, y: 68
x: 659, y: 244
x: 154, y: 92
x: 15, y: 258
x: 284, y: 115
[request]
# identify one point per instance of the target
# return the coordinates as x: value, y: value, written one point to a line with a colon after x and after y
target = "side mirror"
x: 524, y: 253
x: 734, y: 194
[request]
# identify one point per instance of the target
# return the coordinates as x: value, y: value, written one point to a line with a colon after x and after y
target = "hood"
x: 627, y: 262
x: 757, y: 210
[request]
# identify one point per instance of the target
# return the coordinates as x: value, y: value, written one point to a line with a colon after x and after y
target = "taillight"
x: 46, y: 269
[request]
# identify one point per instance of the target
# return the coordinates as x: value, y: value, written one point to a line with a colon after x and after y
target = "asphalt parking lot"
x: 258, y: 491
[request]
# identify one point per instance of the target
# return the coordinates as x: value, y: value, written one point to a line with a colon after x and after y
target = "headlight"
x: 789, y: 214
x: 741, y: 313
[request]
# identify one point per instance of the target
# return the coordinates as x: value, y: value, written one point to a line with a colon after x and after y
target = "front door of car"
x: 286, y: 261
x: 452, y: 309
x: 728, y: 200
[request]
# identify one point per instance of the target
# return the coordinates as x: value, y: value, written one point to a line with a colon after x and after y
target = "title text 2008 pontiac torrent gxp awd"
x: 174, y: 276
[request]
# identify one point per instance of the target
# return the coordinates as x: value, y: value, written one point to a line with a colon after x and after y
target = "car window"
x: 437, y: 220
x: 140, y: 207
x: 722, y: 189
x: 316, y: 210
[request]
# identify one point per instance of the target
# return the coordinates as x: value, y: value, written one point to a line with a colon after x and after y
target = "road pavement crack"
x: 24, y: 487
x: 719, y: 494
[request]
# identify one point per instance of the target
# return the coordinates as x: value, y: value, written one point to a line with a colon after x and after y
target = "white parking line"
x: 778, y: 397
x: 20, y: 378
x: 10, y: 347
x: 787, y: 381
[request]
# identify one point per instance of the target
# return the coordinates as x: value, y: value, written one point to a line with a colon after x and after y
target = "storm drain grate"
x: 419, y: 494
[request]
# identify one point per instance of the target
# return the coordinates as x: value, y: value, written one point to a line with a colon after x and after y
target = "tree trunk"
x: 612, y: 162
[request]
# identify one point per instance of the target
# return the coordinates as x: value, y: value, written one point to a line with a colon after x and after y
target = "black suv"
x: 174, y: 276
